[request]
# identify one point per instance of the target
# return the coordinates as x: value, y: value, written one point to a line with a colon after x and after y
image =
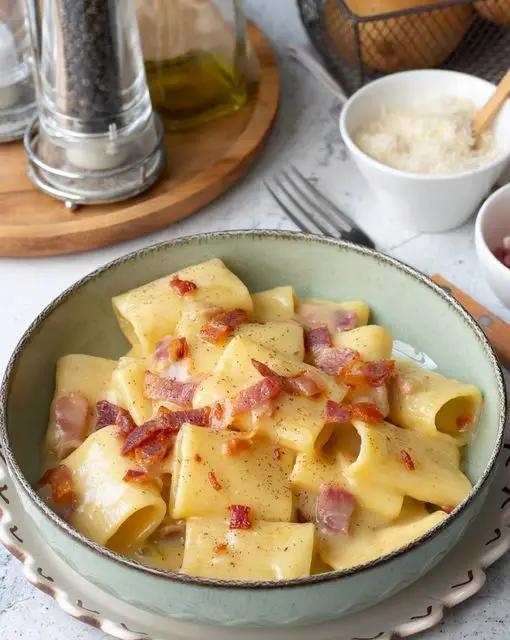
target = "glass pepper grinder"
x: 17, y: 99
x: 195, y: 57
x: 96, y: 138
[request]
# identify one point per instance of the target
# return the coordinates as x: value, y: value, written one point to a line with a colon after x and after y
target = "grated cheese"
x: 433, y: 137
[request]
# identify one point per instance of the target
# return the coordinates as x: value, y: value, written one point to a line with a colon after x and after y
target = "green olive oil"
x: 193, y: 89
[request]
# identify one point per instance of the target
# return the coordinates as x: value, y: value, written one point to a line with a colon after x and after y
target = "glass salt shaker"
x: 17, y: 100
x: 195, y: 54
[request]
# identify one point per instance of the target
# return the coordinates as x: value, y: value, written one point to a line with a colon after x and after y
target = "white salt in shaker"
x: 8, y: 62
x: 17, y: 101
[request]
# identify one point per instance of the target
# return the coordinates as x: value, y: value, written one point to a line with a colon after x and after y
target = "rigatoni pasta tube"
x: 367, y: 543
x: 428, y: 402
x: 297, y: 422
x: 314, y: 469
x: 127, y: 384
x: 371, y: 341
x: 111, y: 511
x: 150, y: 312
x: 423, y: 467
x: 267, y: 551
x: 206, y: 480
x: 284, y: 337
x: 87, y: 375
x: 313, y: 313
x: 274, y: 304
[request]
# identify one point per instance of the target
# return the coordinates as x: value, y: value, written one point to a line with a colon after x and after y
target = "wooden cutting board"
x: 202, y: 164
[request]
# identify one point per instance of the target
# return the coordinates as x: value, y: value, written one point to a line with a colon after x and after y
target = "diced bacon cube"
x: 213, y: 481
x: 182, y: 287
x: 222, y: 325
x: 257, y: 395
x: 71, y: 415
x: 335, y: 506
x: 62, y: 497
x: 335, y: 361
x: 167, y: 424
x: 407, y: 460
x: 239, y: 517
x: 157, y: 388
x: 136, y: 475
x: 317, y: 338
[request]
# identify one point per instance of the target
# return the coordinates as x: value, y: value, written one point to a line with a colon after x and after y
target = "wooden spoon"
x: 486, y: 114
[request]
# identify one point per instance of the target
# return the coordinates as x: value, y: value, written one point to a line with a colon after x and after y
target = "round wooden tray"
x: 201, y: 165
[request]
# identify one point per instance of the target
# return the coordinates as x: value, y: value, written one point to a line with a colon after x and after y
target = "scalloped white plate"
x: 419, y: 607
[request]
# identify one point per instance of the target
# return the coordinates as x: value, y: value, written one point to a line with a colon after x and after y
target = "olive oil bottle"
x: 195, y: 58
x: 194, y: 88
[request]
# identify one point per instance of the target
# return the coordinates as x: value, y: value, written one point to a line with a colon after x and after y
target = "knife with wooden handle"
x: 496, y: 329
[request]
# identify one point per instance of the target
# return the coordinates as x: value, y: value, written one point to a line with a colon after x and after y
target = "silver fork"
x: 311, y: 211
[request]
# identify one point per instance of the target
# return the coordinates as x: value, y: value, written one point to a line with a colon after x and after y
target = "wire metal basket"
x: 473, y: 37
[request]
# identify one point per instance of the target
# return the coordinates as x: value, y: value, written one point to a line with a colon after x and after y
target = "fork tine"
x: 326, y: 202
x: 306, y: 225
x: 306, y: 213
x: 314, y: 210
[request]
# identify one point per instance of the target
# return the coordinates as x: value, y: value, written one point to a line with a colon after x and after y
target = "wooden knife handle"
x: 496, y: 329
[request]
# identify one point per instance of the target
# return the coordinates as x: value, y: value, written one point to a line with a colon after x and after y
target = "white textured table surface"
x: 306, y: 134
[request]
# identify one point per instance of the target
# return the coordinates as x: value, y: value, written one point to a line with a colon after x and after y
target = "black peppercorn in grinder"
x: 96, y: 137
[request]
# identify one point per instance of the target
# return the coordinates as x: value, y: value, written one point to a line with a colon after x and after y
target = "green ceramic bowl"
x: 409, y: 304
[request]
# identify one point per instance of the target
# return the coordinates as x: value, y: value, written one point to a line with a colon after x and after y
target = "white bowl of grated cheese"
x: 409, y: 134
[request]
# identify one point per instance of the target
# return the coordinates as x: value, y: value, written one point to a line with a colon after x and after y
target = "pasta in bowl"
x: 248, y: 436
x: 245, y: 441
